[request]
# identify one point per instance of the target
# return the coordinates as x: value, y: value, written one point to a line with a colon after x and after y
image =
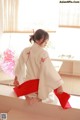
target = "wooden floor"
x: 71, y: 84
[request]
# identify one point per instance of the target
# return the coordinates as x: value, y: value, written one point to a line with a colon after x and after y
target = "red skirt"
x: 31, y: 86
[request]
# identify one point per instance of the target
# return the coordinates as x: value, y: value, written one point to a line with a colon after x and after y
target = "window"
x: 69, y: 14
x: 26, y: 15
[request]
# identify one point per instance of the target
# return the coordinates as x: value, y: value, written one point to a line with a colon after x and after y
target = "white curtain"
x: 69, y: 14
x: 10, y: 15
x: 25, y: 15
x: 34, y: 14
x: 1, y: 17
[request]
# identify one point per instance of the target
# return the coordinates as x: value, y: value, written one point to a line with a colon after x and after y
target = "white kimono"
x: 34, y: 63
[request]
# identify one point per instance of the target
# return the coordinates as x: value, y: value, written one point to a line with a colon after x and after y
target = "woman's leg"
x: 63, y: 97
x: 32, y: 98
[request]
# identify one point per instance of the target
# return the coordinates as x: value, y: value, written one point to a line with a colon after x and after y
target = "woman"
x: 34, y: 63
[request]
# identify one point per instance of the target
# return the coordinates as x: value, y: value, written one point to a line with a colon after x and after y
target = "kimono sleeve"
x: 48, y: 74
x: 20, y: 69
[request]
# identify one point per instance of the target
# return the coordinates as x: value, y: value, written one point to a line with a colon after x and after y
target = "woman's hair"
x: 38, y: 35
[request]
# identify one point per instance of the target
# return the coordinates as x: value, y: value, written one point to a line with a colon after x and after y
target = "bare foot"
x: 32, y: 100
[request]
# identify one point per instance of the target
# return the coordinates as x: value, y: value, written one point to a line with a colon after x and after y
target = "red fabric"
x: 63, y: 99
x: 31, y: 86
x: 27, y: 87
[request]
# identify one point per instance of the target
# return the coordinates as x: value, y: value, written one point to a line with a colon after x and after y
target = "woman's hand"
x: 59, y: 90
x: 16, y: 82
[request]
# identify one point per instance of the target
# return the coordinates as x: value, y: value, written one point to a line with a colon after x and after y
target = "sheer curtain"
x: 10, y: 15
x: 69, y: 14
x: 34, y: 14
x: 25, y: 15
x: 1, y: 17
